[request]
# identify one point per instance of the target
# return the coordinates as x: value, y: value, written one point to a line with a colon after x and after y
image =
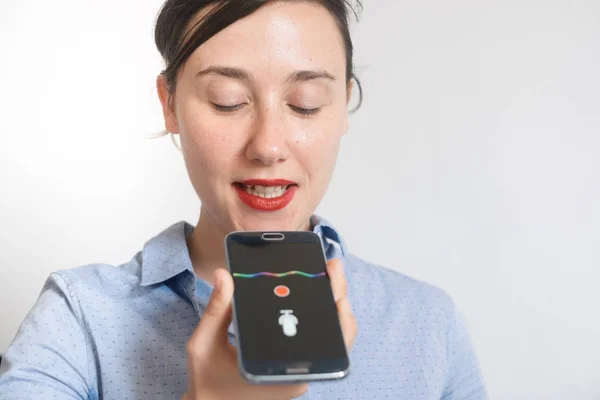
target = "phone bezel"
x: 273, y: 371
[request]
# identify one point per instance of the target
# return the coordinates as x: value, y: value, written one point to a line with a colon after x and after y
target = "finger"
x: 335, y: 270
x: 347, y: 321
x: 339, y: 285
x: 217, y: 316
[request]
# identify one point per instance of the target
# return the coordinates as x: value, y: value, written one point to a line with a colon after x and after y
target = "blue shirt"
x: 106, y: 332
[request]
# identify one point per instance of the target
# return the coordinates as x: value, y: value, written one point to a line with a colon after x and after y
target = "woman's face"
x: 260, y: 109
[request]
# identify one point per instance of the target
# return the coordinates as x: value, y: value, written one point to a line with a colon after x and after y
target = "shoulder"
x: 376, y: 289
x: 412, y: 328
x: 381, y: 280
x: 89, y: 279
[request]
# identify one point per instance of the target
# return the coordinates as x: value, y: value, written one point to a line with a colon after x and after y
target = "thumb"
x: 217, y: 316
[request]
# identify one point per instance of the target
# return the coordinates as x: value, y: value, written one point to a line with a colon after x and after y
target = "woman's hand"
x: 213, y: 372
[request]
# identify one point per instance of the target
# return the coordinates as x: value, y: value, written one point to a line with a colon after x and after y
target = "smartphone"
x: 284, y: 313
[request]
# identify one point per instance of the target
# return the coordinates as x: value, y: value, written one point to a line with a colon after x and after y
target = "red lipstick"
x: 268, y: 182
x: 262, y: 203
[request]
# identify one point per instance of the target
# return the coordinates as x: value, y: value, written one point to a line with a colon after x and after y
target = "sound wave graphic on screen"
x: 280, y: 275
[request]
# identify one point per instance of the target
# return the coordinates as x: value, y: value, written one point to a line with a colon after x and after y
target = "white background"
x: 474, y: 164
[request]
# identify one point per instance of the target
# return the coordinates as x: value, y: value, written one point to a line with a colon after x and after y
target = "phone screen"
x: 284, y: 304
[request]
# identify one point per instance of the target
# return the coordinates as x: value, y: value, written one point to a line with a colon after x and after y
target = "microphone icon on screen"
x: 288, y: 322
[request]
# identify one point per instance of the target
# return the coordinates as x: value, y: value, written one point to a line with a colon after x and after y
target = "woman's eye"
x: 305, y: 111
x: 223, y: 108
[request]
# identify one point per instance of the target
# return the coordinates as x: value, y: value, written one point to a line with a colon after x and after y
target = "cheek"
x: 317, y: 149
x: 207, y: 144
x: 320, y: 135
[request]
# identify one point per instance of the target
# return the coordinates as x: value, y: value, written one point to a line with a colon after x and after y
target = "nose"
x: 268, y: 142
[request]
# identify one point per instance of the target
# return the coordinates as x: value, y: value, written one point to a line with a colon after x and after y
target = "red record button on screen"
x: 282, y: 291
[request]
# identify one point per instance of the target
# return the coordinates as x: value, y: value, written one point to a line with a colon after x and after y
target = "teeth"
x: 267, y: 192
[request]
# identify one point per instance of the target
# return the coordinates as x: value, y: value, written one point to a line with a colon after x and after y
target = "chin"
x: 272, y: 222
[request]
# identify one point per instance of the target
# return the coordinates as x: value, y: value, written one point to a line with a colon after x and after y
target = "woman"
x: 258, y: 92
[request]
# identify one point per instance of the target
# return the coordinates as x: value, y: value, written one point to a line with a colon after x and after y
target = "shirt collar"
x: 330, y: 236
x: 166, y: 255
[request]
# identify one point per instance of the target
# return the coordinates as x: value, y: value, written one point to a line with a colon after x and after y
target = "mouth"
x: 265, y: 192
x: 266, y: 195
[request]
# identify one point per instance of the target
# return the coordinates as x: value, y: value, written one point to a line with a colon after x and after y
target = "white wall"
x: 477, y: 150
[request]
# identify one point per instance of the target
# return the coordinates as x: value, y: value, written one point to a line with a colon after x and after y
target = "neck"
x: 207, y: 248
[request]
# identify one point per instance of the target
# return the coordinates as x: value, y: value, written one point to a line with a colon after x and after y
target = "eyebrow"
x: 228, y: 72
x: 240, y: 74
x: 303, y: 76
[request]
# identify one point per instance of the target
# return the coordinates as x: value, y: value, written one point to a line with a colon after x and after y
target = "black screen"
x: 300, y: 321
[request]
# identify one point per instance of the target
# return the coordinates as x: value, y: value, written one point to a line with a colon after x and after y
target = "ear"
x: 348, y: 98
x: 165, y: 99
x: 349, y: 91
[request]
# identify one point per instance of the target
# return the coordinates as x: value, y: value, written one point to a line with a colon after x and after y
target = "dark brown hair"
x: 176, y: 45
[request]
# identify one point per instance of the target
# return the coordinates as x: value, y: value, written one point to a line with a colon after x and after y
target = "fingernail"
x: 218, y: 284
